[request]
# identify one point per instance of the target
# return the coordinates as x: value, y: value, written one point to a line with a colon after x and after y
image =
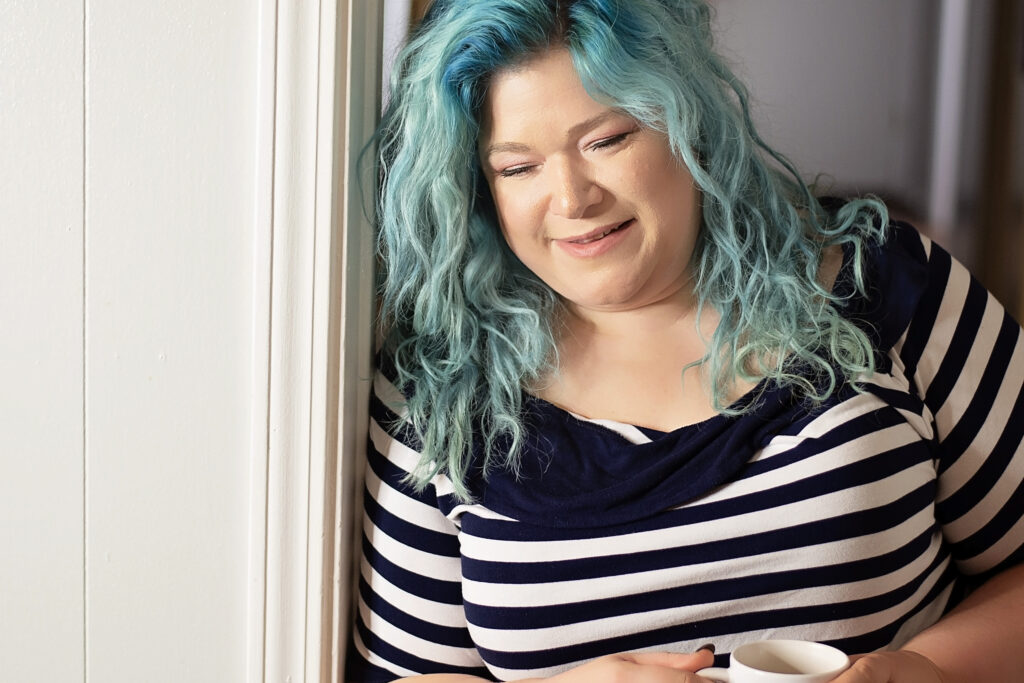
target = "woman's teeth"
x: 595, y: 238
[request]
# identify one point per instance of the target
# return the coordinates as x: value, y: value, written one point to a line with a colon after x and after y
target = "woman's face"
x: 593, y: 203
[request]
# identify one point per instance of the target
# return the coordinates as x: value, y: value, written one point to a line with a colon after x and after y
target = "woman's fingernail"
x: 710, y: 647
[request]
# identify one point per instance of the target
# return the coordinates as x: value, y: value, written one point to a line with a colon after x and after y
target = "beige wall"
x: 845, y: 89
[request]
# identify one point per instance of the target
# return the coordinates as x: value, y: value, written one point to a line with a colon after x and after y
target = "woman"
x: 639, y: 390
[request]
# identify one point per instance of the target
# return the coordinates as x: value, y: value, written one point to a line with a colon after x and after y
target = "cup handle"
x: 715, y: 673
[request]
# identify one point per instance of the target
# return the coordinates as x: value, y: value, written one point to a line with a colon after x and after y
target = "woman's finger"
x: 674, y: 660
x: 891, y: 667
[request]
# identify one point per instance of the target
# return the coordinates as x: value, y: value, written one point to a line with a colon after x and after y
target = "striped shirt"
x: 859, y: 523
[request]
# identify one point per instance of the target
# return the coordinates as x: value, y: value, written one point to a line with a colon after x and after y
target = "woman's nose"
x: 573, y: 192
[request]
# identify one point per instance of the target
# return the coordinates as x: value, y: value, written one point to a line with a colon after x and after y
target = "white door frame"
x: 319, y: 66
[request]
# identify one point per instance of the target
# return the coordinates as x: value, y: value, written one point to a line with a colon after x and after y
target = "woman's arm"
x: 965, y: 357
x: 409, y: 616
x: 981, y: 640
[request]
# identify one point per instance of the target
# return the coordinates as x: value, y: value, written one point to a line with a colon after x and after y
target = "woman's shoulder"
x: 883, y: 295
x: 388, y: 406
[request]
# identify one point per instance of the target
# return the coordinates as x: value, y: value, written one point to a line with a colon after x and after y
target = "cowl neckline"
x: 580, y: 473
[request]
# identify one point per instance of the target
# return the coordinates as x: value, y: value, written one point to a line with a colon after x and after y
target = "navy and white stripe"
x: 857, y: 525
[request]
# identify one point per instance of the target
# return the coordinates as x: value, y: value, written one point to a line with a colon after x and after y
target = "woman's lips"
x: 595, y: 234
x: 597, y: 241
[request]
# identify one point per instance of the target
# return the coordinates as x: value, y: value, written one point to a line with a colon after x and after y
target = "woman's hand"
x: 626, y: 667
x: 900, y: 666
x: 640, y: 667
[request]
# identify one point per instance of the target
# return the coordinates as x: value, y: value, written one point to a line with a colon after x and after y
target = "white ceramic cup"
x: 781, y: 661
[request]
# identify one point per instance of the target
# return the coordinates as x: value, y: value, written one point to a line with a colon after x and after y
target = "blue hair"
x: 468, y: 326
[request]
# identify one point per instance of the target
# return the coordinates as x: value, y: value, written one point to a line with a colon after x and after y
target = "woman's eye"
x: 513, y: 171
x: 610, y: 142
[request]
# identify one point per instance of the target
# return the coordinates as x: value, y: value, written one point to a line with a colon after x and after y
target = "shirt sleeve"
x: 410, y: 618
x: 964, y: 355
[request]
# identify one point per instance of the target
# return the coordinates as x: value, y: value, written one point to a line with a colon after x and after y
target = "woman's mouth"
x: 599, y: 234
x: 596, y: 242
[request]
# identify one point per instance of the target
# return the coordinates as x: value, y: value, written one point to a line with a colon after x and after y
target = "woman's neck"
x: 661, y: 316
x: 664, y: 321
x: 628, y: 365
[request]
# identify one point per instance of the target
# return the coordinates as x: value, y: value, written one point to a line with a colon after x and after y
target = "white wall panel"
x: 169, y: 178
x: 41, y: 600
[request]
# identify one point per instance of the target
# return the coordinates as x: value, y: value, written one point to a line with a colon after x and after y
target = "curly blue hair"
x: 468, y: 326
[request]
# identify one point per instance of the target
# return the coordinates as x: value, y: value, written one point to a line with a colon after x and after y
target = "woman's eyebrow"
x: 593, y: 122
x: 506, y: 147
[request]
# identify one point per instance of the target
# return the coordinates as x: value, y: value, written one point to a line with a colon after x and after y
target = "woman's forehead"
x: 543, y: 87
